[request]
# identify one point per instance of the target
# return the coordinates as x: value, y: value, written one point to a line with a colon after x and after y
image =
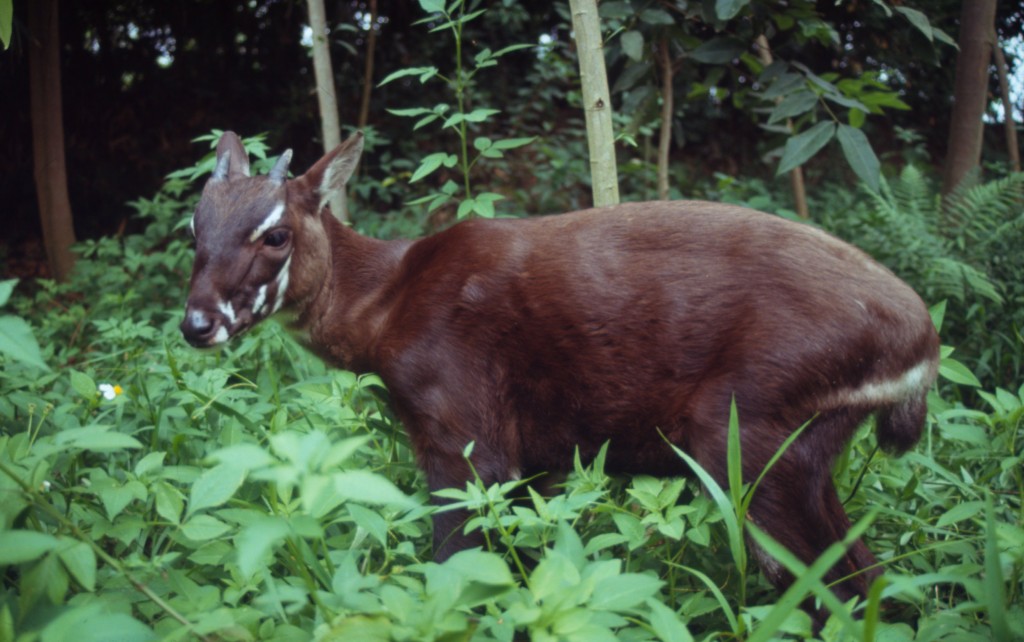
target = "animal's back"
x: 611, y: 324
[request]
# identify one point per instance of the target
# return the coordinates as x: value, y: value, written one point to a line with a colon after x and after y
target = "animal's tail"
x: 899, y: 425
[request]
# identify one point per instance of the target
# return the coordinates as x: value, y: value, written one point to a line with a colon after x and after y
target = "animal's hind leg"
x: 797, y: 505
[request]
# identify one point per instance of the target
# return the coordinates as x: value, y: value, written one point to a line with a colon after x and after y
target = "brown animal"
x: 534, y: 337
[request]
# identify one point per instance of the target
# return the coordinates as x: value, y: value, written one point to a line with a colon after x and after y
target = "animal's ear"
x: 232, y: 159
x: 330, y: 174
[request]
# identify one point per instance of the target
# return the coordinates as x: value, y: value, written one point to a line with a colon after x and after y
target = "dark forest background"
x: 142, y: 79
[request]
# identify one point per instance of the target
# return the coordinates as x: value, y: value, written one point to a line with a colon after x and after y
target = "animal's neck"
x: 346, y: 307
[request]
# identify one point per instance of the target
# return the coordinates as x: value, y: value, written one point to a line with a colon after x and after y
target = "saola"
x: 537, y: 336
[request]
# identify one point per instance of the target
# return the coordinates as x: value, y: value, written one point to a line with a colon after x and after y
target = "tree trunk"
x: 326, y: 96
x: 667, y: 107
x: 1004, y: 90
x: 796, y: 175
x: 371, y: 48
x: 48, y: 137
x: 597, y: 104
x: 970, y: 91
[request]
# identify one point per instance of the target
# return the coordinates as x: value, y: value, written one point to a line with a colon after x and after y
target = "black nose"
x: 199, y: 327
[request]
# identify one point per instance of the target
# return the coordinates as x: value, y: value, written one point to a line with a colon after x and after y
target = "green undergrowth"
x: 251, y: 493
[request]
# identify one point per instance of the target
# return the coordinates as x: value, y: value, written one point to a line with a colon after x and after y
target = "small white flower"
x: 45, y: 486
x: 110, y: 391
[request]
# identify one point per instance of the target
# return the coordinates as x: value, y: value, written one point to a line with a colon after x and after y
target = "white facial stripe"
x: 272, y: 219
x: 261, y: 300
x: 192, y: 225
x: 228, y: 311
x: 221, y: 336
x: 282, y: 285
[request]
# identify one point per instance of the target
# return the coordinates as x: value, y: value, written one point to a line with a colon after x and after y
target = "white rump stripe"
x: 889, y: 390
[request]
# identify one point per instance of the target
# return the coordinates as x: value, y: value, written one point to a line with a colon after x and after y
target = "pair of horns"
x: 277, y: 175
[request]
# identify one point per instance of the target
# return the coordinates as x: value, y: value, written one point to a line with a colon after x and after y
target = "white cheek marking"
x: 272, y: 219
x: 228, y: 311
x: 282, y: 285
x: 221, y: 336
x: 261, y: 300
x: 192, y: 225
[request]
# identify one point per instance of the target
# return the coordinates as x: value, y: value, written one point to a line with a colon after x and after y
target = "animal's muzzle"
x: 202, y: 329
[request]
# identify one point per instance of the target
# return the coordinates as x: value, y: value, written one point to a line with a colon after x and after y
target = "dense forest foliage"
x: 149, y: 491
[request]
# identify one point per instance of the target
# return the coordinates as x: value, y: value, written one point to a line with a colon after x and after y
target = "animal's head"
x: 261, y: 244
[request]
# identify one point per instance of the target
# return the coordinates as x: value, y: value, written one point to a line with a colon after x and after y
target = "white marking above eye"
x: 272, y: 219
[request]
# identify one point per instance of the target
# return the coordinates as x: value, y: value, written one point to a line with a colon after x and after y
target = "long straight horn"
x: 280, y: 171
x: 221, y: 171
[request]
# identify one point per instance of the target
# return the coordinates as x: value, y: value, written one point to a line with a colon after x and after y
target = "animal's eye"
x: 276, y: 238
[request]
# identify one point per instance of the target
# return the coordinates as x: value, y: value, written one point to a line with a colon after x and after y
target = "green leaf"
x: 501, y: 52
x: 429, y: 165
x: 6, y: 287
x: 667, y: 624
x: 257, y: 540
x: 80, y: 561
x: 18, y: 342
x: 656, y: 17
x: 92, y: 623
x: 919, y: 20
x: 718, y: 51
x: 959, y: 513
x: 621, y: 592
x: 432, y: 6
x: 633, y: 45
x: 117, y: 497
x: 215, y: 486
x: 21, y: 546
x: 615, y: 9
x: 481, y: 566
x: 792, y: 105
x: 784, y: 84
x: 96, y: 438
x: 512, y: 143
x: 727, y: 9
x: 204, y: 527
x: 6, y: 23
x: 475, y: 116
x: 860, y: 156
x: 465, y: 207
x: 411, y: 113
x: 800, y: 148
x: 6, y: 619
x: 83, y: 385
x: 957, y: 372
x: 169, y: 502
x: 993, y: 585
x: 425, y: 74
x: 370, y: 488
x: 483, y: 204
